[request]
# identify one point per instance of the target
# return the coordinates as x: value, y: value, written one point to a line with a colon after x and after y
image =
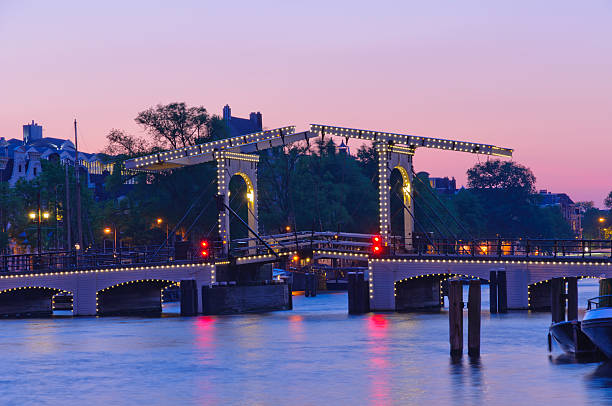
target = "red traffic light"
x: 204, y: 252
x: 377, y: 248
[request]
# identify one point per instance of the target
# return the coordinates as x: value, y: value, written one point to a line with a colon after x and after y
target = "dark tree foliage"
x: 501, y: 175
x: 608, y: 201
x: 591, y: 225
x: 175, y: 125
x: 121, y: 143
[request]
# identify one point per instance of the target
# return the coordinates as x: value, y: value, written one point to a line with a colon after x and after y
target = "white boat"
x: 597, y: 323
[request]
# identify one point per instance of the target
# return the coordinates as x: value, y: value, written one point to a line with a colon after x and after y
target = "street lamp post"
x: 107, y: 230
x: 601, y: 228
x: 37, y: 217
x: 159, y: 222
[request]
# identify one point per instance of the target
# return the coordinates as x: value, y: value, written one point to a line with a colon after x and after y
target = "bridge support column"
x: 389, y: 158
x: 244, y: 165
x: 84, y: 299
x: 384, y: 199
x: 189, y: 297
x: 381, y: 281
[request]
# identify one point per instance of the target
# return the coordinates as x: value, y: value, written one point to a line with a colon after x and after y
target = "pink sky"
x: 533, y: 76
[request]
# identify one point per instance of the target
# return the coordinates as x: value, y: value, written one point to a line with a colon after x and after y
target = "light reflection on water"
x: 315, y: 354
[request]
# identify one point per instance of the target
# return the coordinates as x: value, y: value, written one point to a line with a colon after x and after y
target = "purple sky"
x: 533, y: 76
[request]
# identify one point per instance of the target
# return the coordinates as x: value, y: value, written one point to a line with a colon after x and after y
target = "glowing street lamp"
x: 602, y: 219
x: 108, y: 230
x: 37, y: 217
x: 159, y: 223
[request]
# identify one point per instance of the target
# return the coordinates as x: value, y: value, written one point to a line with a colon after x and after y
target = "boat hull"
x: 599, y: 330
x: 571, y: 338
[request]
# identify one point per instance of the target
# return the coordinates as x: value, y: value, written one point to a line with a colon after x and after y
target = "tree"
x: 501, y: 175
x: 608, y: 201
x: 175, y: 125
x: 584, y: 206
x: 121, y: 143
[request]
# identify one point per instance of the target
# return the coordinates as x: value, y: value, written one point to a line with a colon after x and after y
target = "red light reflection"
x: 378, y: 352
x: 205, y: 331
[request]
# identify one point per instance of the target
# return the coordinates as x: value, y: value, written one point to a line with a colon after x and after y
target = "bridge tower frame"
x: 230, y: 164
x: 392, y: 157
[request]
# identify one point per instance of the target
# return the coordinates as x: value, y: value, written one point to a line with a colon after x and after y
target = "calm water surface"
x: 315, y: 354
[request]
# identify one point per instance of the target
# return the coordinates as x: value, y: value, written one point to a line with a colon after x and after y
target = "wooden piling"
x: 310, y: 285
x: 358, y: 293
x: 365, y: 293
x: 557, y: 299
x: 290, y: 296
x: 455, y: 318
x: 474, y: 307
x: 314, y: 282
x: 572, y: 298
x: 502, y: 292
x: 189, y: 297
x: 493, y: 292
x: 352, y: 282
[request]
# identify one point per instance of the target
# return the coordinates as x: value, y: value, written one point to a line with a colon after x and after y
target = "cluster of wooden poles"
x: 455, y: 318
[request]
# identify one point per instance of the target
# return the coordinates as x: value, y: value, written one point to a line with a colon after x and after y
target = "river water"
x: 315, y: 354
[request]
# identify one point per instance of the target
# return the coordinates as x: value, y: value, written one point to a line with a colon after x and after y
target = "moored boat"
x: 571, y: 339
x: 597, y: 323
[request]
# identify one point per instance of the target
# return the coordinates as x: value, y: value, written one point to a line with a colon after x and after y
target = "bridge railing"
x: 520, y: 247
x: 345, y: 242
x: 59, y: 261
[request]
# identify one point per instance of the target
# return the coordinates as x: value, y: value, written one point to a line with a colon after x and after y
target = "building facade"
x: 21, y: 159
x: 239, y: 126
x: 569, y: 210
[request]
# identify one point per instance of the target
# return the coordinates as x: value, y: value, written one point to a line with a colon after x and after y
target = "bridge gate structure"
x: 230, y: 164
x: 235, y: 156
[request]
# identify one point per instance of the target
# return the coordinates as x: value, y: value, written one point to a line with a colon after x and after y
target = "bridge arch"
x: 539, y: 292
x: 134, y: 296
x: 423, y: 292
x: 28, y: 301
x: 400, y: 204
x: 247, y: 194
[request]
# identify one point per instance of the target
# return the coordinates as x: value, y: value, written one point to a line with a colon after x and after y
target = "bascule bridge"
x: 391, y: 280
x: 237, y: 156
